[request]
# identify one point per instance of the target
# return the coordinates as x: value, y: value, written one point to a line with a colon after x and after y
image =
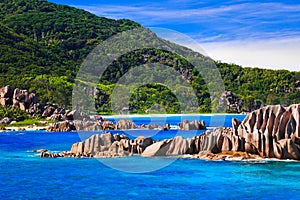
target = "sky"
x: 251, y: 33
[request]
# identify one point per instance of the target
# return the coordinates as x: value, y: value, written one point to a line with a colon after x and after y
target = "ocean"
x: 24, y: 175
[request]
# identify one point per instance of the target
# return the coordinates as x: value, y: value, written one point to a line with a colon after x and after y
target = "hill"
x: 43, y: 45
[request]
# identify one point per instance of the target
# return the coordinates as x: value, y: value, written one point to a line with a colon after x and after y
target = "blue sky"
x: 250, y: 33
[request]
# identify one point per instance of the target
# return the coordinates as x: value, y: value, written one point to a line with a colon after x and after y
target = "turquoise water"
x: 23, y: 175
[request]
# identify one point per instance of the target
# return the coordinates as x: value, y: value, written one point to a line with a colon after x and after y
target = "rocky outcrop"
x: 170, y: 147
x: 108, y: 145
x: 98, y: 124
x: 270, y: 132
x: 234, y: 105
x: 6, y: 94
x: 125, y: 124
x: 26, y: 101
x: 64, y: 126
x: 194, y: 125
x: 21, y: 99
x: 140, y: 143
x: 229, y: 101
x: 103, y: 146
x: 75, y: 125
x: 5, y: 120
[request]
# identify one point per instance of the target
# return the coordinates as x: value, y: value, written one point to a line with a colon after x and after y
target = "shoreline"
x: 24, y: 128
x: 167, y: 115
x: 12, y: 128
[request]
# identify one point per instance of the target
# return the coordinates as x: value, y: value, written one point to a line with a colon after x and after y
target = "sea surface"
x: 24, y: 175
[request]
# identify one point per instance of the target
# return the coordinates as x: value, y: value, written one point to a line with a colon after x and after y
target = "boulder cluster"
x: 235, y: 105
x: 99, y: 123
x: 21, y: 99
x: 28, y: 102
x: 194, y: 125
x: 105, y: 145
x: 272, y: 132
x: 269, y: 132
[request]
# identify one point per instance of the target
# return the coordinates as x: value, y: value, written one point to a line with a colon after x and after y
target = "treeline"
x: 268, y: 86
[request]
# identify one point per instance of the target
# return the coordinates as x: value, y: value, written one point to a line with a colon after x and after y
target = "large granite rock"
x: 270, y: 132
x: 96, y: 143
x: 108, y: 145
x: 23, y: 99
x: 6, y: 94
x: 28, y: 102
x: 108, y: 125
x: 65, y: 126
x: 125, y: 124
x: 170, y: 147
x: 234, y: 105
x: 194, y: 125
x: 273, y: 131
x: 229, y: 101
x: 140, y: 143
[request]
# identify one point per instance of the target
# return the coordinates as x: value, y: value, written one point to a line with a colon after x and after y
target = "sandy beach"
x: 24, y: 128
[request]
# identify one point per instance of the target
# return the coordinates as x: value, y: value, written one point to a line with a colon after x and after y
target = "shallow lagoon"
x: 26, y: 176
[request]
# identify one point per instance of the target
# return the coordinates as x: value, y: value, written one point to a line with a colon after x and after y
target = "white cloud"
x: 249, y: 34
x: 270, y: 54
x: 153, y: 13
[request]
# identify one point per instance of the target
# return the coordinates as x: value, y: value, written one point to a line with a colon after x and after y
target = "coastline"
x: 24, y: 128
x: 169, y: 115
x: 8, y: 128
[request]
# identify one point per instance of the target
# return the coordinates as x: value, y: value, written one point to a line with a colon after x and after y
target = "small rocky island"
x: 269, y: 132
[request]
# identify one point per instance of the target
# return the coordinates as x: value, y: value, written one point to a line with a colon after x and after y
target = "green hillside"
x: 43, y: 45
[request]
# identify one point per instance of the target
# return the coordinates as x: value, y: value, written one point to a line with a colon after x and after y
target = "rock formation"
x: 98, y: 123
x: 269, y: 132
x: 272, y: 132
x: 28, y: 102
x: 170, y: 147
x: 105, y: 145
x: 194, y: 125
x: 6, y: 94
x: 21, y: 99
x: 125, y: 124
x: 234, y: 105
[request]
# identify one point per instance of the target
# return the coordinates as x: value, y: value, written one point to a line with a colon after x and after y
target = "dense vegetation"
x: 43, y: 45
x: 13, y: 113
x: 268, y: 86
